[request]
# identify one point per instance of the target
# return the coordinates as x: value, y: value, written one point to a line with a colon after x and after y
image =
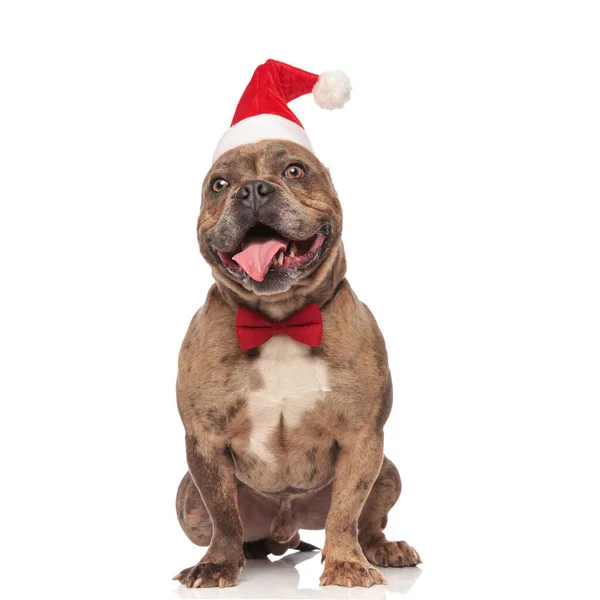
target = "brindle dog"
x: 283, y: 436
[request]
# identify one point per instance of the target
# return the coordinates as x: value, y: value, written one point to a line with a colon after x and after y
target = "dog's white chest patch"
x: 292, y: 383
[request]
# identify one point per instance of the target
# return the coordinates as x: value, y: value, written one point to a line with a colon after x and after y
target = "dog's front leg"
x: 212, y: 470
x: 357, y: 466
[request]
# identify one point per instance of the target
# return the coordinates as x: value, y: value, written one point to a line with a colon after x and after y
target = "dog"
x: 285, y: 435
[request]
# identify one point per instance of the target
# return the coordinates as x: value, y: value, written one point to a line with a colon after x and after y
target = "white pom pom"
x: 332, y: 90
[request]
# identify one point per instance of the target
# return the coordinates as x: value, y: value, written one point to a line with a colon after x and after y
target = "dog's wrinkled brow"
x: 225, y: 166
x: 280, y: 154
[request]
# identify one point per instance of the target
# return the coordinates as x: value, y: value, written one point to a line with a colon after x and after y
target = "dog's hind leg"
x: 192, y: 514
x: 373, y: 519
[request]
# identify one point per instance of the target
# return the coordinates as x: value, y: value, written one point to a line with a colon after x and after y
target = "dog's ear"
x: 330, y: 179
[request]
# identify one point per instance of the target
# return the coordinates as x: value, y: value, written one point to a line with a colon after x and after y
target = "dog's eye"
x: 294, y: 171
x: 218, y: 185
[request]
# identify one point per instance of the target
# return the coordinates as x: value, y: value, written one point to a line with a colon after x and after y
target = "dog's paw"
x: 209, y: 574
x: 392, y: 554
x: 350, y: 574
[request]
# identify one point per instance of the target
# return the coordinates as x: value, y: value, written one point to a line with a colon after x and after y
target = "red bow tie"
x: 254, y: 329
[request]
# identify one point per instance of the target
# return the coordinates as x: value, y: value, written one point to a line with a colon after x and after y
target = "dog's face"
x: 270, y: 216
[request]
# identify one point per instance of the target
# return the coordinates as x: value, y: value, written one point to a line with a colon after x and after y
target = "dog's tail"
x: 305, y: 547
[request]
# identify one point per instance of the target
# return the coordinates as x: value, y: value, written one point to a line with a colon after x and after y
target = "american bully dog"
x: 283, y: 385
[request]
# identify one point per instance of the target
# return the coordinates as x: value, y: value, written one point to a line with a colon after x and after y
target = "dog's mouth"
x: 263, y: 250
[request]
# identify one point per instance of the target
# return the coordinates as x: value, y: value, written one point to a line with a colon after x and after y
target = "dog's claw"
x: 392, y: 554
x: 210, y: 574
x: 351, y: 574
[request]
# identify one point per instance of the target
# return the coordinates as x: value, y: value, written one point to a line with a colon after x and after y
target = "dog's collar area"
x: 253, y: 329
x: 338, y: 287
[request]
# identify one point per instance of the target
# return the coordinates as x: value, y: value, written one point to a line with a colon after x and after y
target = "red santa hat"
x: 262, y: 112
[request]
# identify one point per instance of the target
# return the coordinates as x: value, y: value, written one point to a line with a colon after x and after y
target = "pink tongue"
x: 256, y: 256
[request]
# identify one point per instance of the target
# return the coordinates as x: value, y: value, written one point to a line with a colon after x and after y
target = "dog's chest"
x: 290, y: 383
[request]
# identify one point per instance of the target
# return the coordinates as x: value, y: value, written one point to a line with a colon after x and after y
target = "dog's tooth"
x: 280, y: 258
x: 293, y: 250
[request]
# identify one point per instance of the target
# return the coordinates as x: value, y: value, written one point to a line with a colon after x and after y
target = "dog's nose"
x: 254, y: 193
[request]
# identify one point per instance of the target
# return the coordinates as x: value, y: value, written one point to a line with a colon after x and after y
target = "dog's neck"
x: 320, y: 288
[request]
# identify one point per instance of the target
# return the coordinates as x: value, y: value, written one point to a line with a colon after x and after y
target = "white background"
x: 467, y: 163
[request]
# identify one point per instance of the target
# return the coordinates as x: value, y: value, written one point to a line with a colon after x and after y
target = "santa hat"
x: 262, y: 112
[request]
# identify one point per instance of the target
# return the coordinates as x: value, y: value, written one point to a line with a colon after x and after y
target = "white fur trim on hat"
x: 332, y: 90
x: 261, y: 127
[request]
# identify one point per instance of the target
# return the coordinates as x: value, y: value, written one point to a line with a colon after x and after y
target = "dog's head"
x: 270, y: 218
